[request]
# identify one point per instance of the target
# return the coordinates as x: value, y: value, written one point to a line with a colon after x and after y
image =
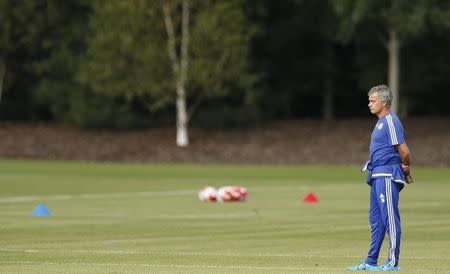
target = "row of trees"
x: 218, y: 63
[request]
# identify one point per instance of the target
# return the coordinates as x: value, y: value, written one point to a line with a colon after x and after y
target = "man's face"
x: 375, y: 105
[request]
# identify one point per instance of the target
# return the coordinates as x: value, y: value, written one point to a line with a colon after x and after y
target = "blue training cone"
x: 41, y: 210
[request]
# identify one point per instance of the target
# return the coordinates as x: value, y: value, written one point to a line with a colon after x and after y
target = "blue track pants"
x: 384, y: 217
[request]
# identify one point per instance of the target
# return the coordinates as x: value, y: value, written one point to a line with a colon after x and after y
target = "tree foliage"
x: 127, y: 55
x: 21, y: 23
x: 394, y: 23
x: 105, y: 63
x: 62, y: 51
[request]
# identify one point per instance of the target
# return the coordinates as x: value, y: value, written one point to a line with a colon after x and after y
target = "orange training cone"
x: 310, y: 198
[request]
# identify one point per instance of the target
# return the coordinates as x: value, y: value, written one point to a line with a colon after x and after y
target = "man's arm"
x: 403, y: 150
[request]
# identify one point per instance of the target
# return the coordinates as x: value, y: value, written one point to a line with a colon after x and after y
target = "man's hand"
x: 407, y: 174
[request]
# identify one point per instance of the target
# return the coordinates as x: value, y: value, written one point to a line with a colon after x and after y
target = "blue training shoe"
x: 363, y: 266
x: 387, y: 267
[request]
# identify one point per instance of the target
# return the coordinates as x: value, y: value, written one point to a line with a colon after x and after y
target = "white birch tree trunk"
x: 394, y: 69
x: 182, y: 118
x: 179, y: 67
x: 2, y: 75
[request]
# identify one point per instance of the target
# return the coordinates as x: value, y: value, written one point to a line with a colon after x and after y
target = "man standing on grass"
x: 388, y: 169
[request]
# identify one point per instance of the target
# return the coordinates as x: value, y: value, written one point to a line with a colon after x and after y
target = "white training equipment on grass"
x: 207, y: 194
x: 231, y: 194
x: 223, y: 194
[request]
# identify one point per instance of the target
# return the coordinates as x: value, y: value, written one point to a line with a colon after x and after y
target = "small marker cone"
x: 310, y: 198
x: 41, y: 210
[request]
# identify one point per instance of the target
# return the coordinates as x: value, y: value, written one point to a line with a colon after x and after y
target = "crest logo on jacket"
x: 380, y: 126
x: 382, y: 197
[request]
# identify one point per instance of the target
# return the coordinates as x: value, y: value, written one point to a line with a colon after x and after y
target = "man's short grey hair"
x: 384, y: 93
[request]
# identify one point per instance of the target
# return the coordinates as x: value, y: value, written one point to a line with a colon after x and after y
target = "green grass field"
x: 126, y: 218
